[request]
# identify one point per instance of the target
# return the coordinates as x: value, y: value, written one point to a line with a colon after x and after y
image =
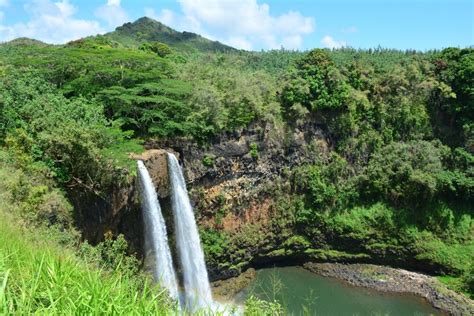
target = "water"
x: 196, y: 282
x: 304, y: 293
x: 157, y: 251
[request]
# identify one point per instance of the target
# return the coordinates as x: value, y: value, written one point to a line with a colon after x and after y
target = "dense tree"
x: 161, y: 49
x: 405, y: 173
x: 452, y: 103
x: 71, y: 137
x: 315, y: 84
x: 150, y: 108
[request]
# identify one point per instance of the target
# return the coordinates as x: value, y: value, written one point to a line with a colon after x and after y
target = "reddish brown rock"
x: 157, y: 164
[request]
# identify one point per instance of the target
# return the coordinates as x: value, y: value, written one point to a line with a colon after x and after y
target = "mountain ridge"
x: 145, y: 29
x: 25, y: 41
x: 134, y: 34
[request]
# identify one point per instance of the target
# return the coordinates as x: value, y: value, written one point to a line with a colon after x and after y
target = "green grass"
x: 37, y: 276
x: 456, y: 284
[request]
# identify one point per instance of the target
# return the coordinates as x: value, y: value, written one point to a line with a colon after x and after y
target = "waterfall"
x: 157, y: 250
x: 196, y: 283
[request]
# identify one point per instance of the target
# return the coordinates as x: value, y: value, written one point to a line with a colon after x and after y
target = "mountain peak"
x: 146, y: 21
x: 145, y: 29
x: 25, y: 41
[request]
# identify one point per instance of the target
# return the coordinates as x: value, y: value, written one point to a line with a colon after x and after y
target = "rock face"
x: 228, y: 178
x: 156, y: 162
x: 119, y: 211
x: 229, y: 173
x: 226, y: 290
x: 257, y: 153
x: 116, y: 211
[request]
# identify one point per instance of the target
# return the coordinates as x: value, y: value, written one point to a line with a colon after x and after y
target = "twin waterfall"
x: 196, y: 282
x: 156, y: 239
x: 157, y: 252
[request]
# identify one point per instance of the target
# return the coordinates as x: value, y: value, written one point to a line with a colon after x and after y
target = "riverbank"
x: 380, y: 278
x: 388, y: 279
x: 226, y: 290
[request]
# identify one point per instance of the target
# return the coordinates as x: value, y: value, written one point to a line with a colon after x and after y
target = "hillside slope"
x: 39, y: 276
x: 149, y: 30
x: 25, y: 41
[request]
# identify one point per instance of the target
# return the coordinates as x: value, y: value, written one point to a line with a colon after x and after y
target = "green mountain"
x: 149, y: 30
x: 25, y: 41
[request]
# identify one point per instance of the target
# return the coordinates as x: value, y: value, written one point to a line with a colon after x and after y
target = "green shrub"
x: 111, y: 255
x: 208, y: 160
x: 296, y: 242
x: 329, y: 185
x: 253, y: 151
x: 363, y: 223
x: 33, y: 196
x: 161, y: 49
x: 256, y: 307
x: 405, y: 173
x: 215, y: 244
x: 453, y: 258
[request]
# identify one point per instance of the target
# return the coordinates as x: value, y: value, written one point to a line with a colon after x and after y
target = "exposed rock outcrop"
x: 157, y: 164
x: 118, y: 211
x: 226, y: 290
x: 115, y: 211
x: 257, y: 154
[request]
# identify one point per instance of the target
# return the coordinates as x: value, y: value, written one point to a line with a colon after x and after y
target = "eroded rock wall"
x: 226, y: 179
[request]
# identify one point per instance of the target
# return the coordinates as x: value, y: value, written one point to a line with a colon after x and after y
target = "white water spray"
x: 196, y: 282
x: 157, y: 251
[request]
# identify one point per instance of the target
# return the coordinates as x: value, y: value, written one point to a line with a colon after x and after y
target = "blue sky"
x: 256, y: 24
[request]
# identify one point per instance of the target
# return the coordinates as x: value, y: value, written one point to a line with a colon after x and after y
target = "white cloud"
x: 330, y: 42
x: 292, y: 41
x: 52, y: 22
x: 241, y: 23
x: 166, y: 16
x: 239, y: 42
x: 112, y: 13
x: 350, y: 30
x: 4, y: 3
x: 151, y: 13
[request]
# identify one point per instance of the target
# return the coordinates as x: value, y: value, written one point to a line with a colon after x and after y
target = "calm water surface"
x: 304, y: 293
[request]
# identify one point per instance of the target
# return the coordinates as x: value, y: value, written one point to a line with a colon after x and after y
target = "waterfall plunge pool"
x: 302, y: 292
x: 299, y: 291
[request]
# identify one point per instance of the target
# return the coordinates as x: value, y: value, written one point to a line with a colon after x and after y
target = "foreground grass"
x: 41, y: 277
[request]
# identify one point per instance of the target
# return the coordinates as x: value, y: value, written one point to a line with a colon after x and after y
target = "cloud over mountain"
x: 52, y: 22
x: 243, y: 23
